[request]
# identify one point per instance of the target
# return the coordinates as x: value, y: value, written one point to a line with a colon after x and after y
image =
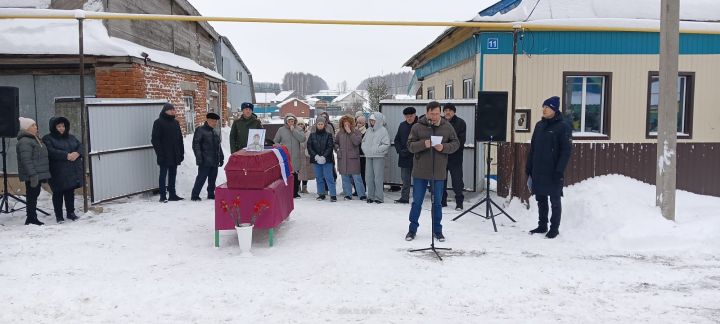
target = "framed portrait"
x: 522, y: 120
x: 256, y: 140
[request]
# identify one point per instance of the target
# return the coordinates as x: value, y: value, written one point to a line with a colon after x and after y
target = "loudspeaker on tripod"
x: 491, y: 116
x: 9, y: 112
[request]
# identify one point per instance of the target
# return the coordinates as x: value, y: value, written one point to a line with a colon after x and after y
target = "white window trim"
x: 583, y: 104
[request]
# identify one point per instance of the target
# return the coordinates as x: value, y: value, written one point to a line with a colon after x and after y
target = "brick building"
x: 294, y: 106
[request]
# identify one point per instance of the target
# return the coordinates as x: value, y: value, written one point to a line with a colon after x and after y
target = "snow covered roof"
x: 59, y: 37
x: 347, y: 94
x: 264, y: 97
x: 698, y: 16
x: 284, y: 95
x: 289, y: 100
x: 532, y: 10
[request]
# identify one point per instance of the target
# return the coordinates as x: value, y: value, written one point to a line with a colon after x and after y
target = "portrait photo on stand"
x: 256, y: 138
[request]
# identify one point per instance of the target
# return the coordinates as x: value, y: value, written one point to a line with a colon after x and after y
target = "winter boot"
x: 321, y: 197
x: 333, y: 198
x: 71, y: 216
x: 539, y: 230
x: 163, y: 198
x: 552, y: 233
x: 174, y: 197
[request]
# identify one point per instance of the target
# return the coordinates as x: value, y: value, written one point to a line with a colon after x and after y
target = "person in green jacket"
x: 241, y: 127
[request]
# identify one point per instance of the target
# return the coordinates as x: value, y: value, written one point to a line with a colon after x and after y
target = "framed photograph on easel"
x: 256, y: 140
x: 522, y: 120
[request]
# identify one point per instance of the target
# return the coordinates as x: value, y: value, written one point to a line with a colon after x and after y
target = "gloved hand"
x: 320, y: 159
x: 221, y: 163
x: 34, y: 181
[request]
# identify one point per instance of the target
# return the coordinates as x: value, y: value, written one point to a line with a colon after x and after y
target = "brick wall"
x: 301, y: 110
x: 151, y: 82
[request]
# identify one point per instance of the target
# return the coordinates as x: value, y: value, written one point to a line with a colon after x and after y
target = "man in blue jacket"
x: 549, y: 155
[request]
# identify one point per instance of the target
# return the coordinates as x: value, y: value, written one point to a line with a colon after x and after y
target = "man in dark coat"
x: 549, y: 155
x: 66, y: 166
x: 455, y: 160
x: 405, y: 158
x: 208, y: 156
x: 242, y: 126
x: 167, y: 140
x: 430, y: 165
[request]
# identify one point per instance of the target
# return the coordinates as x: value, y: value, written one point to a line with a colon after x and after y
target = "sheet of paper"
x: 435, y: 140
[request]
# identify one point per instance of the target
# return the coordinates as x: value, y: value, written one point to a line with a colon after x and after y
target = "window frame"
x: 689, y: 104
x: 607, y: 100
x: 470, y: 90
x: 431, y: 90
x: 189, y: 111
x: 449, y: 85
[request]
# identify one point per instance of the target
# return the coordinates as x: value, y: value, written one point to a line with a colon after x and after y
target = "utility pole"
x: 668, y: 108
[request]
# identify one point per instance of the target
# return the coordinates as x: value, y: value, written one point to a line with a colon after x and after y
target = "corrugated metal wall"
x: 473, y: 167
x: 697, y: 165
x: 123, y: 161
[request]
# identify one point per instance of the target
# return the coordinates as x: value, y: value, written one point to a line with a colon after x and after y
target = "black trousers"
x: 456, y: 174
x: 205, y: 172
x: 31, y: 196
x: 58, y: 197
x: 296, y: 185
x: 543, y: 209
x: 167, y: 179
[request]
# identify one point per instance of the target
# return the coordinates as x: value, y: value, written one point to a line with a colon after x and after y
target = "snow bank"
x: 616, y: 260
x: 60, y: 37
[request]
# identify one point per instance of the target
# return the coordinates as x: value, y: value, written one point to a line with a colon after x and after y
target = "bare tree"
x: 342, y: 87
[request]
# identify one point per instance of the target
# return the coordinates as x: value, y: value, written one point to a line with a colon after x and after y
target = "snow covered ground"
x: 616, y: 260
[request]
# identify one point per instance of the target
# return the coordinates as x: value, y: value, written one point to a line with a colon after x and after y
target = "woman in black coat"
x: 320, y: 148
x: 65, y: 166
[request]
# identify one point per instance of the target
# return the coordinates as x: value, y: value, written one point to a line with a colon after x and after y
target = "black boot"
x: 552, y: 233
x: 539, y: 230
x: 163, y: 198
x: 33, y: 220
x: 71, y: 216
x: 59, y: 218
x: 174, y: 197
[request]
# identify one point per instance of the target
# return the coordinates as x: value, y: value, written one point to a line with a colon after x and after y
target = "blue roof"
x: 502, y: 6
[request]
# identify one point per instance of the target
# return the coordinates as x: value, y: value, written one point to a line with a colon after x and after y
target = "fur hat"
x: 247, y: 105
x: 450, y: 106
x: 409, y: 111
x: 25, y: 123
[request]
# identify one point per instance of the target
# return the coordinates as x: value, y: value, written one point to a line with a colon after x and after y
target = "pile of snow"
x: 43, y: 36
x: 616, y: 260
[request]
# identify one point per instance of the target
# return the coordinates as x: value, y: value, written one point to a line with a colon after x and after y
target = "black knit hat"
x: 213, y: 116
x: 409, y: 111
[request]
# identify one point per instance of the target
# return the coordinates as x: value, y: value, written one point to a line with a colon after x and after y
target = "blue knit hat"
x: 553, y: 103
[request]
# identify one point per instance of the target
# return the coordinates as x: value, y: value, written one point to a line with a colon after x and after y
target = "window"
x: 295, y: 103
x: 238, y: 76
x: 586, y: 104
x: 468, y: 89
x: 431, y: 93
x: 189, y: 103
x: 449, y: 93
x: 685, y: 83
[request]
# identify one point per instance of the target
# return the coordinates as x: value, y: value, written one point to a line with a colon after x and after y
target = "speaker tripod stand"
x: 489, y: 213
x: 5, y: 201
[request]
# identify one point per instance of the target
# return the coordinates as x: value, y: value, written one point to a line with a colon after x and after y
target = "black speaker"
x: 491, y: 116
x: 9, y: 112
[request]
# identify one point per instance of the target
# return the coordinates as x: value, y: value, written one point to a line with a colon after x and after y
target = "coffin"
x: 253, y: 170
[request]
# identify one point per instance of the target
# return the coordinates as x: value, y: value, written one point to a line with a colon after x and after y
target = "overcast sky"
x: 335, y: 53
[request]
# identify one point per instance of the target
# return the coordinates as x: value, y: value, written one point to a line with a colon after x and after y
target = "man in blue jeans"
x: 430, y: 165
